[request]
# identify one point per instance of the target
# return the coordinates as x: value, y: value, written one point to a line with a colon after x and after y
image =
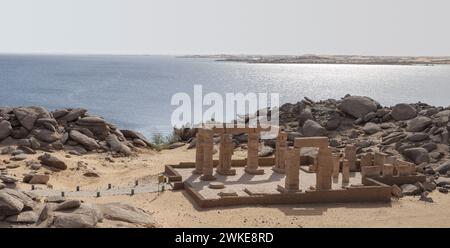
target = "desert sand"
x: 175, y: 208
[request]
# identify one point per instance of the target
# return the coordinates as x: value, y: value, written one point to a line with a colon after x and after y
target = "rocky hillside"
x: 417, y: 132
x: 72, y: 130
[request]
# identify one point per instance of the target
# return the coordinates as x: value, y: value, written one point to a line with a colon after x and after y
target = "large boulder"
x: 358, y: 106
x: 416, y: 137
x: 73, y: 115
x: 27, y: 116
x: 305, y: 115
x: 8, y: 179
x: 5, y: 129
x: 417, y: 155
x: 13, y: 202
x: 96, y: 125
x: 67, y: 205
x: 9, y: 205
x: 312, y: 128
x: 36, y: 178
x: 117, y: 146
x: 27, y: 202
x: 443, y: 182
x: 403, y: 111
x: 130, y: 134
x: 91, y: 121
x: 371, y: 128
x: 19, y: 133
x: 58, y: 113
x: 123, y: 212
x: 410, y: 189
x: 51, y: 161
x: 86, y: 216
x: 46, y: 135
x: 443, y: 168
x: 333, y: 122
x: 27, y: 217
x: 89, y: 143
x: 418, y: 124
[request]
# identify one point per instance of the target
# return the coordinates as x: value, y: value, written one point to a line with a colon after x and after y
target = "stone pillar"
x: 336, y: 165
x: 225, y: 155
x: 252, y: 154
x: 291, y: 182
x: 379, y: 160
x: 280, y: 152
x: 199, y: 155
x: 208, y: 165
x: 346, y: 172
x: 324, y: 169
x: 350, y: 156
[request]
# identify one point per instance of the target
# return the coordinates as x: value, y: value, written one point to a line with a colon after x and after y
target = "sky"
x: 376, y: 27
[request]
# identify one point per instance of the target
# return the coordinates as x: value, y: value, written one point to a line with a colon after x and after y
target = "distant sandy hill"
x: 329, y: 59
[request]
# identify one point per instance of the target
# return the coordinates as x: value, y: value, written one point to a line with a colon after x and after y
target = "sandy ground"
x: 175, y: 209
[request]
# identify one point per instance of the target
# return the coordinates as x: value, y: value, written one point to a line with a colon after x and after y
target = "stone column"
x: 350, y: 155
x: 345, y: 172
x: 225, y: 155
x: 208, y: 165
x: 324, y: 169
x: 379, y: 160
x: 280, y: 152
x: 336, y: 165
x: 292, y: 170
x: 252, y: 154
x: 199, y: 155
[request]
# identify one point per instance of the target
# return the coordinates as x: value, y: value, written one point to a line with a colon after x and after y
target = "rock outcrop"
x: 18, y: 209
x: 403, y: 111
x: 358, y: 106
x: 64, y: 129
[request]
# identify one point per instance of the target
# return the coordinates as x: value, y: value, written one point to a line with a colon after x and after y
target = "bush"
x: 183, y: 134
x: 159, y: 141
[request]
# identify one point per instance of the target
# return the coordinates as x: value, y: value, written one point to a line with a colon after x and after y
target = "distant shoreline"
x: 328, y: 59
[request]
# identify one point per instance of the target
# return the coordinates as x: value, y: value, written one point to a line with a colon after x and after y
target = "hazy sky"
x: 377, y: 27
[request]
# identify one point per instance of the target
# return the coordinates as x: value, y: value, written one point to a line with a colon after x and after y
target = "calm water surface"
x: 135, y: 91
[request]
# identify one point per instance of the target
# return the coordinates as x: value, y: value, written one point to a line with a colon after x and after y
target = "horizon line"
x: 203, y: 54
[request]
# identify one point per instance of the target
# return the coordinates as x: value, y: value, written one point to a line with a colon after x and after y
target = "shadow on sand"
x: 293, y: 209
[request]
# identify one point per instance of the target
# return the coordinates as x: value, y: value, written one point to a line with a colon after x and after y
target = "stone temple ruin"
x: 285, y: 178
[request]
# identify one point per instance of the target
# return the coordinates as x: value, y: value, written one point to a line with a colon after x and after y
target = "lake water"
x: 135, y: 91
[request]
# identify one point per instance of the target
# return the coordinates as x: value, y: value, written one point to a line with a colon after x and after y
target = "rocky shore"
x: 73, y: 130
x: 417, y: 132
x: 38, y: 145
